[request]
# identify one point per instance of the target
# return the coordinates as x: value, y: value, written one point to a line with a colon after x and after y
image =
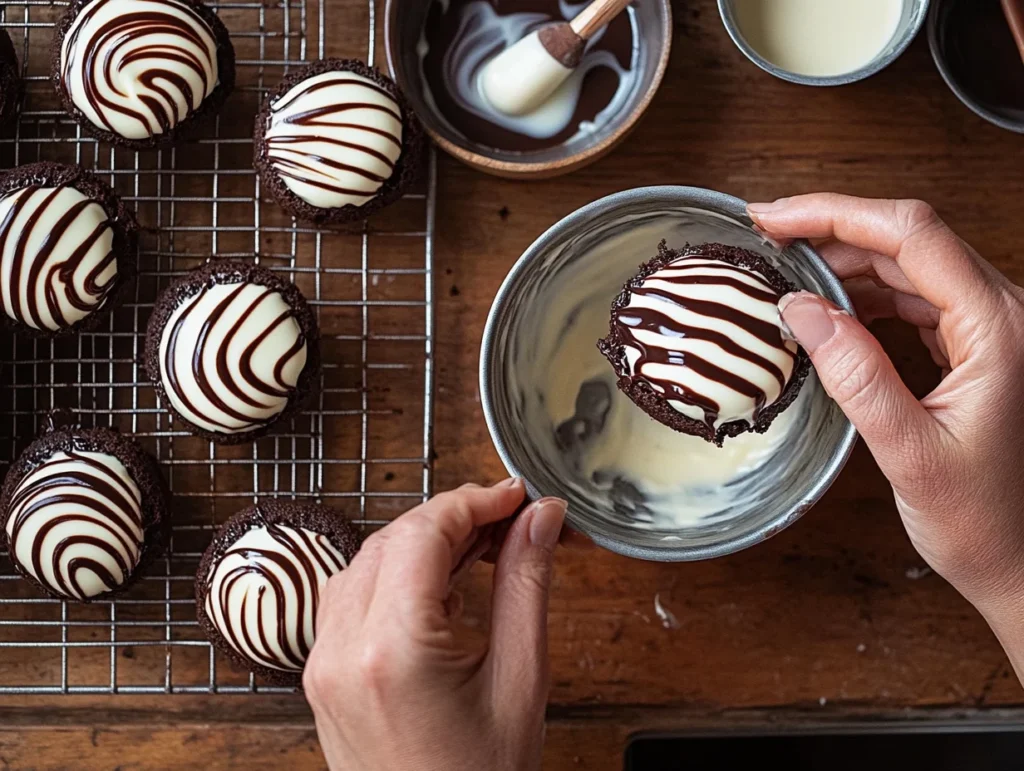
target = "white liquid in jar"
x: 818, y: 37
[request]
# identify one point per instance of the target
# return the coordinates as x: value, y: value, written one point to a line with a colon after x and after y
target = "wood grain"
x: 833, y: 617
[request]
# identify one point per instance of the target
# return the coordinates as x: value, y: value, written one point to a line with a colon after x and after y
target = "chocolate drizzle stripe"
x: 75, y: 489
x: 169, y: 39
x: 282, y: 570
x: 654, y: 321
x: 57, y: 270
x: 290, y: 169
x: 298, y: 140
x: 768, y: 333
x: 763, y: 295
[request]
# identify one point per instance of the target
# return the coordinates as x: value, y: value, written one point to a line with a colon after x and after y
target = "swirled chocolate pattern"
x: 138, y: 68
x: 56, y: 256
x: 75, y: 524
x: 262, y: 593
x: 707, y: 336
x: 334, y: 139
x: 231, y: 356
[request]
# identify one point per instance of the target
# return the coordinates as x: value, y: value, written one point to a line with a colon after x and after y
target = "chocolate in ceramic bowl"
x: 437, y: 50
x: 635, y: 486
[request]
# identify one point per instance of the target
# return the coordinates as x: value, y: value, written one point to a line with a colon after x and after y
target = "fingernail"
x: 510, y: 482
x: 546, y: 522
x: 808, y: 319
x: 766, y: 208
x: 776, y: 243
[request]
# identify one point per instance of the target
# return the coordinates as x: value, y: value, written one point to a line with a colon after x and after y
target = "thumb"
x: 857, y: 373
x: 519, y: 609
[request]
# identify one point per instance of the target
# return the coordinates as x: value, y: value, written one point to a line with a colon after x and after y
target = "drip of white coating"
x: 484, y: 34
x: 523, y: 77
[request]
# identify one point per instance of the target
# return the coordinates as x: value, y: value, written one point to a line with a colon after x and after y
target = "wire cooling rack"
x: 363, y: 447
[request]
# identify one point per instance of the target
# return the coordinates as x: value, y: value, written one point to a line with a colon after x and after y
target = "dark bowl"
x: 403, y: 22
x: 937, y: 19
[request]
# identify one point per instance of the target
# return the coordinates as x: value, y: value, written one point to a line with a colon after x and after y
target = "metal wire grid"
x: 363, y: 447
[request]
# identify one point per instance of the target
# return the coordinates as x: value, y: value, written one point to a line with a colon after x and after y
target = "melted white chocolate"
x: 819, y: 37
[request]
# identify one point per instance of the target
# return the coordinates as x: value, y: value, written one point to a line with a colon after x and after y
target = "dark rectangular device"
x: 884, y: 749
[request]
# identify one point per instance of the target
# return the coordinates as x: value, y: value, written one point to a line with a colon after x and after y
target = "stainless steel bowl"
x: 780, y: 491
x: 403, y: 26
x: 914, y: 14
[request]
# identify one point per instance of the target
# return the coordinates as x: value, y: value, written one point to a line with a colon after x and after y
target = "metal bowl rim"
x: 677, y: 195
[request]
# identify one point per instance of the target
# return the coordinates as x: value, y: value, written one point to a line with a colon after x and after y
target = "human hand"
x: 954, y: 457
x: 392, y: 686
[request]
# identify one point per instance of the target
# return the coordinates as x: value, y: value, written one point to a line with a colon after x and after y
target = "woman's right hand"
x: 956, y: 457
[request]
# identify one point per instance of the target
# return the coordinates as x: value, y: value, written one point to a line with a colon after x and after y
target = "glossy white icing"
x: 56, y: 260
x: 231, y: 356
x: 75, y: 524
x: 698, y: 295
x: 334, y: 139
x: 263, y: 593
x: 137, y: 68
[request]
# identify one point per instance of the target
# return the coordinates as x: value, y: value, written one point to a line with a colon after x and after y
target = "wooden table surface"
x: 833, y: 618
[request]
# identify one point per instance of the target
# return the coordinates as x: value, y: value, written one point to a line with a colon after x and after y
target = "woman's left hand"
x: 392, y: 686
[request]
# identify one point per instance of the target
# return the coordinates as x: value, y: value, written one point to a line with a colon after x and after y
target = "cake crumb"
x: 668, y: 618
x: 917, y: 573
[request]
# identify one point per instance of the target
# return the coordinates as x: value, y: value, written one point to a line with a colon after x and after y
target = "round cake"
x: 232, y: 349
x: 698, y: 343
x: 336, y: 142
x: 258, y: 585
x: 82, y: 512
x: 10, y: 78
x: 67, y: 248
x: 141, y: 73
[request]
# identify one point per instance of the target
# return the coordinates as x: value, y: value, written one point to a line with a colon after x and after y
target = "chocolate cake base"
x: 142, y: 468
x: 402, y: 178
x: 654, y: 403
x: 309, y: 516
x: 10, y: 79
x: 208, y: 108
x: 233, y: 271
x: 125, y: 232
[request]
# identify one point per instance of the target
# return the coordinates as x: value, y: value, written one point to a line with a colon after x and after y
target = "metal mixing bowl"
x: 403, y: 26
x: 914, y: 14
x: 786, y: 486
